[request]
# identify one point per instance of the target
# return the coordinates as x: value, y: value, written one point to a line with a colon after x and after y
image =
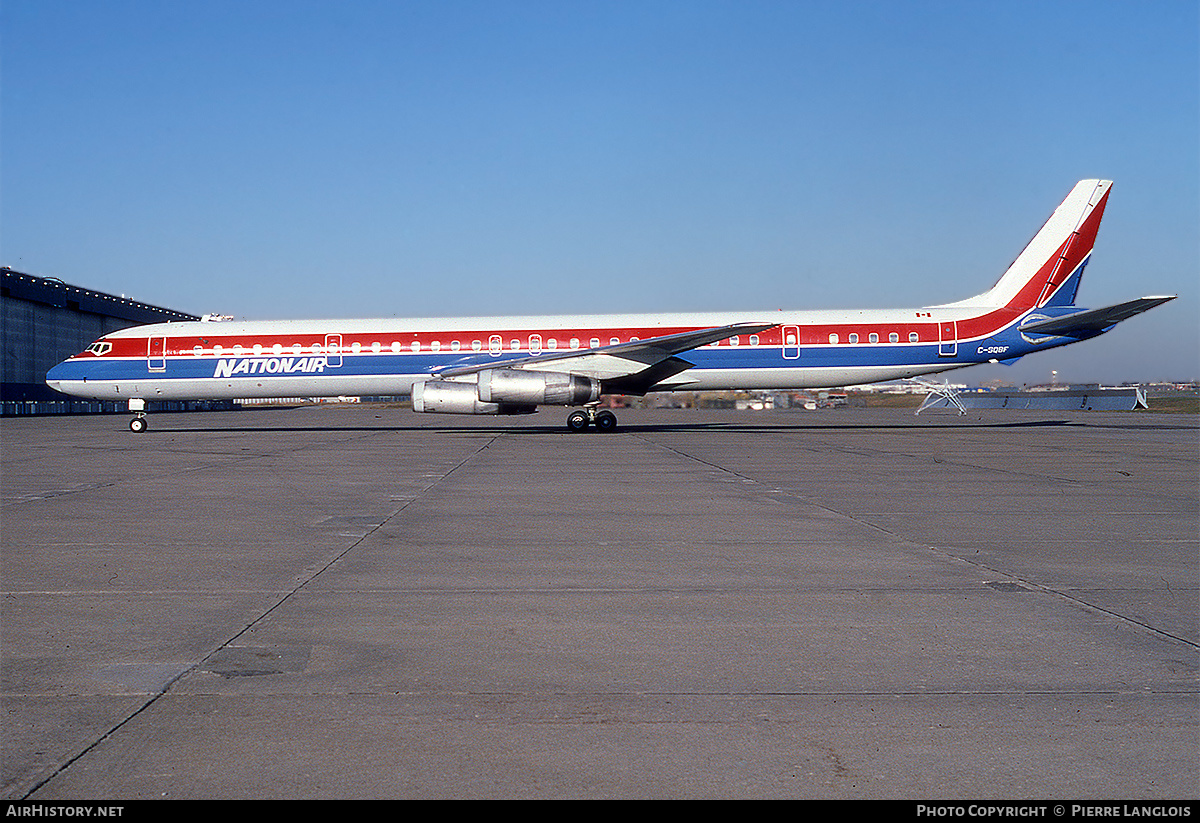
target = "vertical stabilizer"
x: 1048, y: 270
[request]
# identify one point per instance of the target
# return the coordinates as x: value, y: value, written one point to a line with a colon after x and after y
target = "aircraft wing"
x: 1094, y: 320
x: 628, y: 367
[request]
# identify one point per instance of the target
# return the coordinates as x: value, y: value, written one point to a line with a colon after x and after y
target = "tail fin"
x: 1048, y: 271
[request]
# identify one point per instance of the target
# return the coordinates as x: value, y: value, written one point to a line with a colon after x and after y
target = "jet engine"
x: 447, y: 397
x: 504, y: 391
x: 538, y: 388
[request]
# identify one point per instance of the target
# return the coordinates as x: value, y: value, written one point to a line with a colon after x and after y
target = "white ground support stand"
x: 939, y: 391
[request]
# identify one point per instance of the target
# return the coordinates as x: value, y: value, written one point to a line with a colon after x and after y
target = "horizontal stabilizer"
x: 1094, y: 320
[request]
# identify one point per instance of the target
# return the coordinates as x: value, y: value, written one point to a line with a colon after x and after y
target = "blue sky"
x: 318, y: 159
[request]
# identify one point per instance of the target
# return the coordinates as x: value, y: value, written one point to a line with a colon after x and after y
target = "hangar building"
x: 44, y: 321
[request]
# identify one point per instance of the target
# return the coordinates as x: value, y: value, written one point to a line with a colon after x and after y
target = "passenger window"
x: 833, y: 338
x: 874, y: 338
x: 853, y: 337
x: 415, y: 346
x: 574, y: 342
x: 612, y: 341
x: 754, y: 340
x: 912, y: 337
x: 594, y: 343
x: 893, y: 338
x: 476, y: 345
x: 455, y: 345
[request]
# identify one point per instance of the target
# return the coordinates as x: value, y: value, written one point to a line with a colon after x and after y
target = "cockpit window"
x: 99, y: 348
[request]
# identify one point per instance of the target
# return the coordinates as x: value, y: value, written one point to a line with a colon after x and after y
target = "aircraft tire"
x: 137, y: 425
x: 577, y: 421
x: 605, y: 421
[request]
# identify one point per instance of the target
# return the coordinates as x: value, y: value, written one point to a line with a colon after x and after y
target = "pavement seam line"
x: 934, y: 549
x: 153, y: 698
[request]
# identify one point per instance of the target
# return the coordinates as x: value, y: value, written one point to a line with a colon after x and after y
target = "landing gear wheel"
x: 137, y: 425
x: 605, y: 421
x: 577, y: 421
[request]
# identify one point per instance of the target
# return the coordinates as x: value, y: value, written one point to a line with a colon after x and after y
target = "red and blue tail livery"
x: 512, y: 365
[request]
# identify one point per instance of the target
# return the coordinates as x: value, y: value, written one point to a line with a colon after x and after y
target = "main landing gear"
x: 602, y: 419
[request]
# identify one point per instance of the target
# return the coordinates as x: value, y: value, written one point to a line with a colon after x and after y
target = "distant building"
x: 43, y: 321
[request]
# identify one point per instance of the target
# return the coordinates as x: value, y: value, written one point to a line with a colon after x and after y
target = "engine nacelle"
x: 536, y: 388
x: 448, y: 397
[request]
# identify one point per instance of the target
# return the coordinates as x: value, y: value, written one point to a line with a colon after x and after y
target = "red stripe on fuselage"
x: 810, y: 334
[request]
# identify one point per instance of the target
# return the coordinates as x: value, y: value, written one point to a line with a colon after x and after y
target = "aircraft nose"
x: 56, y: 375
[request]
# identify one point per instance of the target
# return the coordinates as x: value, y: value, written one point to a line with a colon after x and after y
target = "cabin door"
x: 333, y: 350
x: 156, y: 355
x: 791, y: 342
x: 948, y: 338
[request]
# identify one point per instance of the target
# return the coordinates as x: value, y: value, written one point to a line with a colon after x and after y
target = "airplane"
x: 512, y: 365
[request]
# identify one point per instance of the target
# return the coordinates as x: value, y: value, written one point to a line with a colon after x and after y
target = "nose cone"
x: 57, y: 375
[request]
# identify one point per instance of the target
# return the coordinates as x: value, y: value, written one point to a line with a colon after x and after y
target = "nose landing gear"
x: 138, y: 424
x: 602, y: 419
